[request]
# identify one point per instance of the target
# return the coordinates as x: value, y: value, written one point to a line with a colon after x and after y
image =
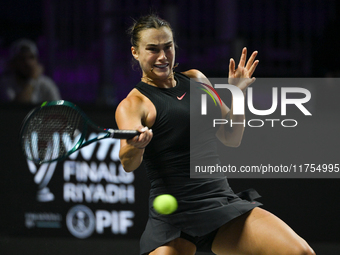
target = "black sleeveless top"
x: 204, y: 204
x: 169, y: 148
x: 169, y: 152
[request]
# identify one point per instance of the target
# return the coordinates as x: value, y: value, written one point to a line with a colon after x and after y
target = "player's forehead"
x: 153, y: 36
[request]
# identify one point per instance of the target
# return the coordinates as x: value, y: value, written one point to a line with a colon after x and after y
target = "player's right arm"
x: 131, y: 114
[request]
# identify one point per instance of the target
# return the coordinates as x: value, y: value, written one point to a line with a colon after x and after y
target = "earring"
x: 175, y: 66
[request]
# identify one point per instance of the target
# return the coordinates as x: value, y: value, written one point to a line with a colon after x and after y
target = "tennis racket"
x: 56, y: 129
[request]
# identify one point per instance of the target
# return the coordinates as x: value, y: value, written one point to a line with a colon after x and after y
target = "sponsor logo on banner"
x: 43, y: 220
x: 99, y: 176
x: 42, y: 173
x: 42, y: 176
x: 80, y: 221
x: 92, y: 175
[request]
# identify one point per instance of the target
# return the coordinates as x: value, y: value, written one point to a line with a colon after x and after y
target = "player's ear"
x: 134, y: 52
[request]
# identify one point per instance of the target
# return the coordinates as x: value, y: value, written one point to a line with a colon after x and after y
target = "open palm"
x: 242, y: 76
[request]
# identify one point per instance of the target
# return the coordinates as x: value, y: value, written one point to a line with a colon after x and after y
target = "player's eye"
x: 152, y: 49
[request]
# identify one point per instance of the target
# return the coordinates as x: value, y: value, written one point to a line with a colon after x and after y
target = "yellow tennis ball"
x: 165, y: 204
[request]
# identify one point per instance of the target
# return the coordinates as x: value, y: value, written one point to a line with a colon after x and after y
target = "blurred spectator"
x: 24, y: 81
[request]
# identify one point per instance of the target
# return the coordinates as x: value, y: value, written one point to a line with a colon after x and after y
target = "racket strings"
x: 52, y: 132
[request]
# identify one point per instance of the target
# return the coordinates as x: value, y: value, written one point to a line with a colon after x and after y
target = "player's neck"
x: 169, y: 82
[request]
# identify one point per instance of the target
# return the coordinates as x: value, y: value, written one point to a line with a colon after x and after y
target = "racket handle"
x: 123, y: 134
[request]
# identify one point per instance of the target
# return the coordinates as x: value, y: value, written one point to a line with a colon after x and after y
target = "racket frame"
x: 107, y: 132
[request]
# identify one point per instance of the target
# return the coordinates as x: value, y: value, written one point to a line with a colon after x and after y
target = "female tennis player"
x: 210, y: 217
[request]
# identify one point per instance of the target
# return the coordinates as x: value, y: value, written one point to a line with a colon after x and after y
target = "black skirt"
x: 204, y: 205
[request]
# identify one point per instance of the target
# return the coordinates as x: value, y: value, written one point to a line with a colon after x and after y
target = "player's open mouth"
x: 162, y: 66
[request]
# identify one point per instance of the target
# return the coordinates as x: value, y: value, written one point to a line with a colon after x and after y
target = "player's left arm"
x: 240, y: 77
x: 201, y: 78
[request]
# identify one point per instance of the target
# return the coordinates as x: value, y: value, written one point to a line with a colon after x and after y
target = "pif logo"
x: 80, y: 221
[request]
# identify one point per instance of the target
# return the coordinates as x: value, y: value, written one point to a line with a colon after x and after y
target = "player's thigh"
x: 177, y: 246
x: 258, y: 232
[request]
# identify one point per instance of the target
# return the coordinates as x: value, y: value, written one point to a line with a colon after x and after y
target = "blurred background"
x: 84, y: 48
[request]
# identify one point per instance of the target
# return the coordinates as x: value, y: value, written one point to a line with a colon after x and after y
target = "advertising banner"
x: 86, y: 195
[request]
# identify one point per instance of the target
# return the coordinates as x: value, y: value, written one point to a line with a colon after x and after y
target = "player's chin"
x: 162, y: 74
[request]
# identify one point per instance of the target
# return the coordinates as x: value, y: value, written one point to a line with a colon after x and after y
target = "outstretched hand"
x: 242, y: 76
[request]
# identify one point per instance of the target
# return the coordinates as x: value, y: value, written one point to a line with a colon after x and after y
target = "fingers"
x: 142, y: 140
x: 251, y: 70
x: 243, y: 58
x: 250, y: 81
x: 243, y: 70
x: 251, y: 60
x: 231, y: 67
x: 246, y: 70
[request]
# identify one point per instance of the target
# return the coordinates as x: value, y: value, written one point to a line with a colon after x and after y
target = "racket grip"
x: 123, y: 134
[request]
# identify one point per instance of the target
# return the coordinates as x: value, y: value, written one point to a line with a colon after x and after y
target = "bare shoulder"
x: 195, y: 74
x: 132, y: 103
